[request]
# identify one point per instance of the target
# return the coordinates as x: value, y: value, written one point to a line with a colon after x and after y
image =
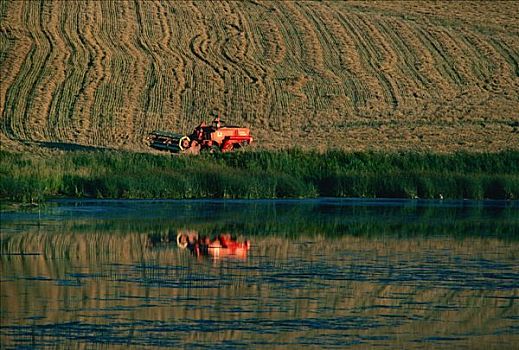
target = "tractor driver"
x: 216, y: 122
x: 199, y: 131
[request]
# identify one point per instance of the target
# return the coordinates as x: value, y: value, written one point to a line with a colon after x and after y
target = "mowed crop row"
x: 387, y: 76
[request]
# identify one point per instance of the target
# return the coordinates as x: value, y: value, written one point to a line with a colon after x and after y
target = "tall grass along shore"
x: 259, y: 174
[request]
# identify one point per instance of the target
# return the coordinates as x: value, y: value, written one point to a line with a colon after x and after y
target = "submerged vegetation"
x: 260, y: 174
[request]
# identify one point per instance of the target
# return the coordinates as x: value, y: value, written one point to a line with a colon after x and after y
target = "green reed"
x: 259, y: 174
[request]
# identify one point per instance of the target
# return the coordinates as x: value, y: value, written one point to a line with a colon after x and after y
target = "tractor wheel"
x: 184, y: 143
x: 182, y: 241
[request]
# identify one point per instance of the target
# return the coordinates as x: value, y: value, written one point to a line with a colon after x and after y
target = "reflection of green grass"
x: 162, y: 220
x: 260, y: 174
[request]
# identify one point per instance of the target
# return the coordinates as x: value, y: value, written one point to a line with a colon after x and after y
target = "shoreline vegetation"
x: 257, y: 174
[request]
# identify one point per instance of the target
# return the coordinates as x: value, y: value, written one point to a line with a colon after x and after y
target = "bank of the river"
x: 259, y: 174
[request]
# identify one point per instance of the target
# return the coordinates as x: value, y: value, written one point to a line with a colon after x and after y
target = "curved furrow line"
x: 312, y: 50
x: 110, y: 90
x: 199, y: 48
x: 142, y: 40
x: 12, y: 38
x: 165, y: 27
x: 408, y: 57
x: 482, y: 67
x: 339, y: 59
x: 65, y: 95
x: 224, y: 26
x: 493, y: 65
x: 284, y: 70
x: 201, y: 80
x: 166, y: 83
x: 266, y: 32
x: 115, y: 92
x: 29, y: 90
x: 41, y: 94
x: 511, y: 55
x: 208, y: 50
x: 174, y: 71
x: 18, y: 93
x: 292, y: 38
x: 90, y: 109
x: 17, y: 50
x: 370, y: 60
x: 297, y: 76
x: 129, y: 113
x: 357, y: 59
x: 455, y: 52
x: 149, y: 39
x: 245, y: 74
x: 231, y: 45
x: 317, y: 18
x: 443, y: 61
x: 45, y: 122
x: 340, y: 93
x: 121, y: 89
x: 201, y: 44
x: 242, y: 45
x: 79, y: 69
x: 426, y: 61
x: 161, y: 89
x: 254, y: 106
x: 175, y: 61
x: 267, y: 51
x: 230, y: 34
x: 181, y: 22
x: 22, y: 63
x: 387, y: 64
x: 202, y: 77
x: 154, y: 97
x: 411, y: 84
x: 510, y: 91
x: 350, y: 65
x: 492, y: 86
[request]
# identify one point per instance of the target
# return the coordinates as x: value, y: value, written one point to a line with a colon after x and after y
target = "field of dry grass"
x: 432, y: 76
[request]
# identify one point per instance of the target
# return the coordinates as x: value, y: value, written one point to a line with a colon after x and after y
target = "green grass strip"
x: 259, y: 174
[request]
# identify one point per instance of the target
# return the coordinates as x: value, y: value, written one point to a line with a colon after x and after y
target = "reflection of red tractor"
x: 214, y: 137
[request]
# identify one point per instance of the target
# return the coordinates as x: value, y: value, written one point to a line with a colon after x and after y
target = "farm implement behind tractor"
x: 211, y: 138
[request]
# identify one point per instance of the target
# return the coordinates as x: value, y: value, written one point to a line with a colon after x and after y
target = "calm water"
x: 320, y: 274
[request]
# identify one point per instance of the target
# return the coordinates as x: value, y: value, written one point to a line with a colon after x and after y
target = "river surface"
x: 326, y: 273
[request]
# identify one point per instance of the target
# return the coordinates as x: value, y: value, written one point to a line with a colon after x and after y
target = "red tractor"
x: 212, y: 138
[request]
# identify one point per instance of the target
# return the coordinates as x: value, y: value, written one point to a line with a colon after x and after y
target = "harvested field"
x: 430, y: 76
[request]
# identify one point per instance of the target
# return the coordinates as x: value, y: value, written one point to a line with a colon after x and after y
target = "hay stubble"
x: 387, y: 76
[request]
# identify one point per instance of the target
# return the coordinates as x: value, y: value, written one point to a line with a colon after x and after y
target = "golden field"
x: 428, y: 76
